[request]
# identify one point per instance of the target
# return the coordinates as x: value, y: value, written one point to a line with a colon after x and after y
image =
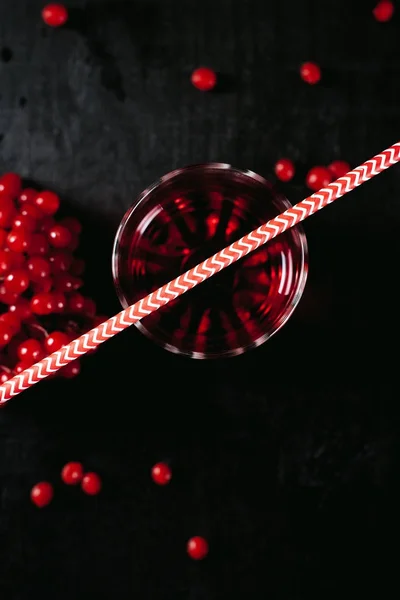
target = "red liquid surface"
x: 234, y: 309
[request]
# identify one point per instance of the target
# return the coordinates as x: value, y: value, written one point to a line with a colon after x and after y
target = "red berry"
x: 59, y: 302
x: 55, y: 341
x: 24, y: 222
x: 339, y: 168
x: 48, y: 202
x: 27, y: 196
x: 6, y: 262
x: 30, y: 351
x: 18, y: 240
x: 60, y: 261
x: 284, y: 169
x: 5, y: 374
x: 204, y: 79
x: 74, y: 243
x: 7, y: 297
x: 20, y: 367
x: 7, y: 211
x: 383, y: 11
x: 38, y: 268
x: 10, y: 183
x: 72, y: 224
x: 197, y: 548
x: 161, y: 473
x: 310, y: 72
x: 42, y: 494
x: 44, y: 285
x: 21, y: 309
x: 318, y: 177
x: 17, y: 282
x: 72, y: 473
x: 38, y: 244
x: 6, y: 334
x: 76, y: 303
x: 71, y: 370
x: 55, y: 15
x: 64, y: 282
x: 91, y: 483
x: 3, y: 239
x: 32, y: 211
x: 46, y: 224
x: 42, y: 304
x: 77, y: 267
x: 59, y: 236
x: 11, y: 320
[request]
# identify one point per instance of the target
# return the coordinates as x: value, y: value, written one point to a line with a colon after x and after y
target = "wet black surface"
x: 286, y: 459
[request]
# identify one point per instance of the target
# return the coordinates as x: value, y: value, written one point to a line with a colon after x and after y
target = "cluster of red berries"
x: 317, y: 177
x: 72, y: 473
x: 41, y: 308
x: 197, y: 546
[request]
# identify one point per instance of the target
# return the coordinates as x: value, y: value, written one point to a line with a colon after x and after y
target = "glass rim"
x: 278, y: 197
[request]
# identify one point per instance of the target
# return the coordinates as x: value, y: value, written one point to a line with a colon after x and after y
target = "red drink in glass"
x: 183, y: 219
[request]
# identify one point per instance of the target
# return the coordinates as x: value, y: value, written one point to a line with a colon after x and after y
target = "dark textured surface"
x: 286, y: 459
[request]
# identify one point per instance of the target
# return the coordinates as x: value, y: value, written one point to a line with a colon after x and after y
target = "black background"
x: 286, y: 459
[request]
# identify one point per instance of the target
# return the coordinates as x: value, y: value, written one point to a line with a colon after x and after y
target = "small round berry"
x: 197, y: 548
x: 10, y: 183
x: 59, y: 236
x: 204, y: 79
x: 17, y: 282
x: 46, y: 224
x: 64, y: 282
x: 20, y: 367
x: 6, y: 262
x: 161, y: 473
x: 38, y: 268
x: 5, y: 374
x: 3, y: 239
x: 32, y: 211
x: 317, y: 178
x: 12, y: 321
x: 44, y: 285
x: 55, y: 341
x: 6, y: 334
x: 339, y: 168
x: 72, y: 224
x: 71, y: 370
x: 59, y: 302
x: 38, y: 244
x: 284, y: 169
x: 42, y: 494
x: 60, y: 261
x: 24, y: 222
x: 7, y: 297
x: 27, y: 196
x: 48, y: 202
x: 21, y: 309
x: 7, y: 211
x: 30, y: 351
x: 42, y: 304
x: 18, y: 240
x: 55, y: 15
x: 89, y: 308
x: 76, y: 303
x: 310, y: 72
x: 383, y: 11
x: 72, y: 473
x: 91, y: 484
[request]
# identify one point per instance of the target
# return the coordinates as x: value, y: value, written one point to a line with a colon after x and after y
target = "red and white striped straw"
x: 185, y: 282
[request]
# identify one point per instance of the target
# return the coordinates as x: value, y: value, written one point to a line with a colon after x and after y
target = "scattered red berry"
x: 339, y: 168
x: 91, y: 483
x: 71, y: 370
x: 38, y: 268
x: 24, y: 222
x: 30, y: 351
x: 383, y: 11
x: 72, y: 224
x: 7, y: 211
x: 48, y: 202
x: 38, y: 244
x: 161, y: 473
x: 27, y: 196
x: 59, y: 236
x: 318, y: 177
x: 284, y: 169
x: 21, y: 366
x: 72, y: 473
x: 17, y: 281
x: 60, y: 261
x: 12, y: 321
x: 55, y: 341
x: 310, y: 73
x: 197, y: 548
x: 42, y: 494
x: 55, y: 15
x: 6, y: 334
x: 10, y: 183
x: 204, y: 79
x: 42, y: 304
x: 18, y: 240
x: 21, y: 309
